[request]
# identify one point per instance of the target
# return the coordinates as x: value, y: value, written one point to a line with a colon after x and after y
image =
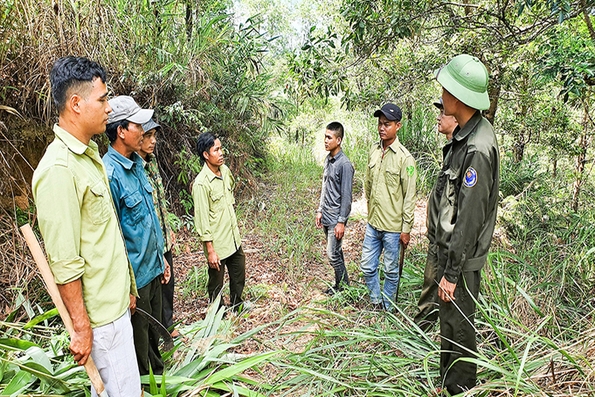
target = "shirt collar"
x: 73, y: 144
x: 336, y: 157
x: 124, y: 161
x: 461, y: 133
x: 210, y: 174
x: 392, y: 146
x: 150, y: 157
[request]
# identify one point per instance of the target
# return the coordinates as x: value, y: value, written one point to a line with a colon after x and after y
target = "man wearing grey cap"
x: 428, y: 300
x: 390, y: 191
x: 146, y: 151
x: 133, y: 200
x: 468, y: 190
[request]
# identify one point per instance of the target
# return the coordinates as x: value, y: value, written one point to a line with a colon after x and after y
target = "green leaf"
x: 41, y: 318
x: 16, y: 344
x: 231, y: 371
x: 18, y: 384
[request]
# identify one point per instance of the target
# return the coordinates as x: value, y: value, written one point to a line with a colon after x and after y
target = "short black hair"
x: 111, y: 130
x: 204, y: 143
x: 72, y: 72
x: 337, y: 129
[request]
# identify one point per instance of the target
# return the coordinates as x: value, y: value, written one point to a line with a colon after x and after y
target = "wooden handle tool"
x: 52, y: 288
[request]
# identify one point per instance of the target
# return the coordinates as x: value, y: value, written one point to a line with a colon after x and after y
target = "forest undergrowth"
x: 535, y: 313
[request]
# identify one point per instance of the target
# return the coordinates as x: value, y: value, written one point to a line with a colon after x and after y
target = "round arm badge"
x: 470, y: 177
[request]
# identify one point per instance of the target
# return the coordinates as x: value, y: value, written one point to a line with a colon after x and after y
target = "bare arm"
x: 81, y: 340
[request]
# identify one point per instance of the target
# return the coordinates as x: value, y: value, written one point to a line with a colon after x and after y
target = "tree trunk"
x: 189, y: 21
x: 587, y: 17
x: 581, y: 159
x: 494, y: 94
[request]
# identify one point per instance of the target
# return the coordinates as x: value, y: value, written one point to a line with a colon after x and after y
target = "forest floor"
x: 284, y: 293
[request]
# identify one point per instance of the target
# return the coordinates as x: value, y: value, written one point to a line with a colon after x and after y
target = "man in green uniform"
x: 468, y: 190
x: 79, y: 224
x: 428, y: 300
x: 390, y: 190
x: 216, y: 223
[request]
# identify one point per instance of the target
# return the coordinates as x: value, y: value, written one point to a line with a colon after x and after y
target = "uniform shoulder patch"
x: 470, y: 177
x: 410, y: 170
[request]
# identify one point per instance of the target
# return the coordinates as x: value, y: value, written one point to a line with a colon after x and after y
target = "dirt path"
x: 265, y: 268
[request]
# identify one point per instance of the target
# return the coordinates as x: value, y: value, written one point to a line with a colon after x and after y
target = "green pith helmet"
x: 466, y: 78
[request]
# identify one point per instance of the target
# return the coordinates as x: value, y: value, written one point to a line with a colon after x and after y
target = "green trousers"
x: 428, y: 305
x: 146, y: 340
x: 457, y: 333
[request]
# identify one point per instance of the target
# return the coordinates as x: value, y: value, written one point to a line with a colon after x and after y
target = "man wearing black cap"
x: 133, y: 200
x: 390, y: 191
x: 468, y: 190
x: 428, y: 300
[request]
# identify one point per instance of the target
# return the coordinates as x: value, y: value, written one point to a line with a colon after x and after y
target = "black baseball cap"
x: 390, y: 111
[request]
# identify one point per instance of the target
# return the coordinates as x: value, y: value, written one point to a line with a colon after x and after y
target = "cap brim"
x: 150, y: 125
x: 389, y: 116
x: 473, y: 99
x: 141, y: 117
x: 438, y: 105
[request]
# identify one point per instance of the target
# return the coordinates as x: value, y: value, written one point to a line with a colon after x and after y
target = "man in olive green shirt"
x: 216, y: 224
x: 80, y: 228
x: 468, y: 191
x: 390, y: 191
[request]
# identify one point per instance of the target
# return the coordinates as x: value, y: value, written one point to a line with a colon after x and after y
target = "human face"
x: 446, y: 124
x: 332, y: 143
x: 214, y: 157
x: 132, y: 137
x: 93, y: 107
x: 148, y: 144
x: 449, y: 102
x: 387, y: 130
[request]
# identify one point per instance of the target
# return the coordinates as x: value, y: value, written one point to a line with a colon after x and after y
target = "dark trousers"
x: 334, y: 251
x: 457, y: 333
x: 168, y: 294
x: 146, y: 341
x: 236, y: 268
x: 428, y: 300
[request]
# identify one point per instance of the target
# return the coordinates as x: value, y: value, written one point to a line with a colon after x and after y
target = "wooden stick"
x: 52, y: 288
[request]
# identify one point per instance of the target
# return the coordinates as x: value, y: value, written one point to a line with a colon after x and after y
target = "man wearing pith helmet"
x: 468, y: 187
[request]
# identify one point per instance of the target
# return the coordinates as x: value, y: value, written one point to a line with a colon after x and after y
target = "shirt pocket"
x: 452, y: 192
x: 133, y: 204
x: 217, y: 201
x: 393, y: 178
x: 99, y: 203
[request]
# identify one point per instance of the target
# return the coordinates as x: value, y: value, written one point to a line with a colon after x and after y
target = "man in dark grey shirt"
x: 335, y: 202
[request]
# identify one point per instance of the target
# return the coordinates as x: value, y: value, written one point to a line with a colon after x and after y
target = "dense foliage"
x: 267, y: 76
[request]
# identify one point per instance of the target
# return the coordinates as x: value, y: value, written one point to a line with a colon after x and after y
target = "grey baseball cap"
x: 438, y: 103
x: 151, y: 124
x: 126, y: 108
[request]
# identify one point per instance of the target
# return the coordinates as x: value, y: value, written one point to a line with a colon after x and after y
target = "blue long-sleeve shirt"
x: 133, y: 200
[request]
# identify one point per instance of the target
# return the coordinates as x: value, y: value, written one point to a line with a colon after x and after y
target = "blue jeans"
x: 334, y: 251
x: 374, y: 242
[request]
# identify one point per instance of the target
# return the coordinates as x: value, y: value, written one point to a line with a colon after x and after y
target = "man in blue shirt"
x: 133, y: 200
x: 335, y: 202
